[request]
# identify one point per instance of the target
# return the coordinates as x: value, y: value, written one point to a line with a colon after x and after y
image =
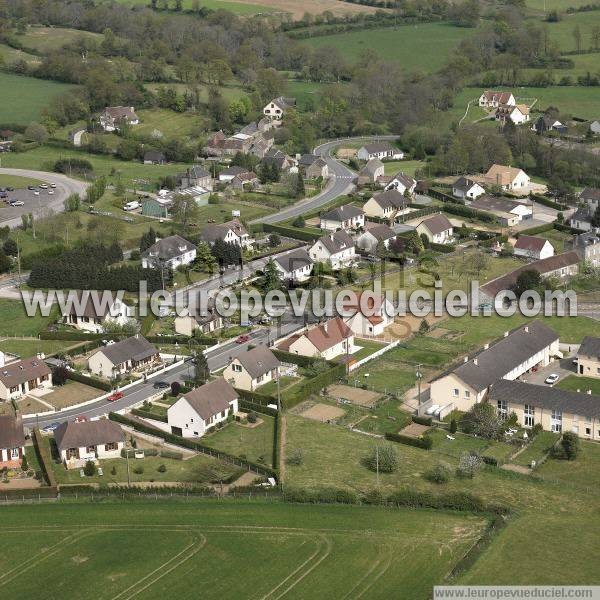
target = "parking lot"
x: 31, y: 202
x: 563, y: 368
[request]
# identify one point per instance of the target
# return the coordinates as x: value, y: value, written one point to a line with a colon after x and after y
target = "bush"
x: 162, y: 469
x: 89, y: 469
x: 424, y: 442
x: 570, y: 446
x: 113, y: 470
x: 453, y: 426
x: 171, y: 454
x: 439, y: 474
x: 383, y: 459
x: 295, y: 458
x: 422, y: 420
x: 468, y: 465
x: 175, y: 388
x: 24, y: 463
x: 138, y: 470
x: 252, y: 418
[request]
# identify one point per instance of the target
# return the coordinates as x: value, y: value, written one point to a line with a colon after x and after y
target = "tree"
x: 596, y: 217
x: 482, y: 420
x: 35, y: 132
x: 201, y: 371
x: 147, y: 239
x: 72, y: 203
x: 383, y: 459
x: 577, y: 37
x: 204, y: 258
x: 175, y: 388
x: 24, y: 463
x: 423, y: 327
x: 300, y: 189
x: 468, y: 465
x: 530, y: 279
x: 440, y: 473
x: 5, y: 262
x: 10, y: 247
x: 570, y: 445
x: 274, y: 240
x: 184, y: 210
x: 89, y: 468
x: 453, y: 426
x: 299, y: 222
x: 60, y: 375
x: 111, y: 326
x: 272, y: 280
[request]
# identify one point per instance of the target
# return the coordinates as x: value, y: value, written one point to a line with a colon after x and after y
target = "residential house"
x: 588, y: 357
x: 154, y: 157
x: 343, y: 217
x: 187, y: 323
x: 466, y: 188
x: 260, y: 146
x: 326, y: 340
x: 582, y: 218
x: 591, y: 196
x: 371, y: 315
x: 80, y: 442
x: 169, y: 253
x: 275, y: 110
x: 507, y: 178
x: 228, y: 174
x: 231, y: 232
x: 595, y: 127
x: 279, y: 159
x: 380, y: 150
x: 533, y: 247
x: 587, y: 246
x: 87, y: 315
x: 21, y: 377
x: 520, y: 350
x: 12, y: 442
x: 386, y: 205
x: 518, y: 114
x: 402, y: 183
x: 239, y: 142
x: 318, y: 169
x: 335, y: 248
x: 370, y: 172
x: 244, y: 181
x: 546, y: 123
x: 135, y: 353
x: 438, y: 229
x: 493, y: 99
x: 252, y: 368
x: 295, y: 266
x: 374, y: 235
x: 195, y: 176
x: 114, y: 116
x: 197, y: 411
x: 509, y: 212
x: 554, y: 409
x: 214, y: 144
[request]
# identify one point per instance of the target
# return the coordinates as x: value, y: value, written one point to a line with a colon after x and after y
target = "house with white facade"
x: 369, y: 314
x: 508, y: 211
x: 135, y: 353
x: 507, y: 178
x: 371, y: 172
x: 402, y: 183
x: 335, y: 248
x: 187, y: 322
x: 493, y: 99
x: 252, y: 368
x: 587, y: 246
x: 467, y: 189
x: 517, y: 114
x: 295, y: 266
x: 275, y: 110
x: 114, y: 117
x: 546, y: 123
x: 200, y: 409
x: 344, y: 217
x: 386, y: 205
x: 21, y: 377
x: 12, y: 441
x: 231, y: 232
x: 326, y: 340
x: 380, y: 150
x: 438, y: 229
x: 80, y: 442
x: 375, y: 234
x: 91, y: 313
x: 533, y: 247
x: 169, y: 253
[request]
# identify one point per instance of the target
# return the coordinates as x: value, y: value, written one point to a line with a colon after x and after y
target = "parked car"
x: 17, y: 203
x: 552, y: 379
x: 36, y: 192
x: 31, y: 187
x: 44, y: 186
x: 52, y: 185
x: 161, y: 385
x: 242, y: 339
x: 50, y: 428
x: 10, y: 189
x: 50, y: 192
x: 133, y: 205
x: 3, y: 194
x: 115, y: 396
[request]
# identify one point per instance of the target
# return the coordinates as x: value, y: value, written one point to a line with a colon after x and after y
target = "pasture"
x: 250, y: 549
x: 424, y: 47
x: 561, y: 33
x: 47, y: 39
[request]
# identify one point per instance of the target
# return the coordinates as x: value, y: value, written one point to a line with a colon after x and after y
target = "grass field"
x: 406, y: 166
x: 16, y: 322
x: 30, y: 347
x: 12, y: 55
x: 575, y: 382
x: 162, y: 549
x: 423, y: 47
x: 23, y: 98
x: 168, y: 122
x: 17, y: 182
x: 536, y: 450
x: 561, y: 33
x: 560, y: 5
x: 238, y: 8
x: 47, y: 39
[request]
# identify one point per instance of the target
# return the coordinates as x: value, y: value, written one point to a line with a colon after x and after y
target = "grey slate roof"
x: 336, y: 242
x: 380, y: 232
x: 294, y: 260
x: 390, y: 198
x: 211, y: 398
x: 377, y: 147
x: 582, y: 214
x: 308, y: 159
x: 406, y: 180
x: 258, y: 361
x: 135, y: 348
x: 218, y: 231
x: 464, y: 184
x: 437, y: 223
x: 341, y: 213
x: 11, y: 432
x: 84, y: 298
x: 372, y: 165
x: 590, y: 346
x: 168, y: 248
x: 88, y: 433
x: 546, y: 398
x: 233, y: 171
x: 496, y: 203
x: 504, y: 355
x: 589, y: 193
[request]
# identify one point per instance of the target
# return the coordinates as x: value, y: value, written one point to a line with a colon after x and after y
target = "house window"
x: 14, y: 453
x: 111, y: 446
x: 556, y: 421
x: 529, y: 420
x: 467, y: 394
x: 588, y: 431
x: 236, y: 368
x: 502, y: 409
x: 72, y: 453
x: 455, y: 392
x: 90, y: 449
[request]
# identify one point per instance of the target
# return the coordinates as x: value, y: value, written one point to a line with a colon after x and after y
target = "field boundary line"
x: 360, y: 581
x: 383, y: 571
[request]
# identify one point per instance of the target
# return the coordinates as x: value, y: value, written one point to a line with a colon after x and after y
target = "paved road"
x: 341, y: 181
x: 65, y: 186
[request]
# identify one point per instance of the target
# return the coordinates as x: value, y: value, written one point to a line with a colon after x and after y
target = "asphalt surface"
x: 42, y: 204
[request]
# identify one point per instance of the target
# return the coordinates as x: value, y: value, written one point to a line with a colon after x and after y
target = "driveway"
x: 563, y: 367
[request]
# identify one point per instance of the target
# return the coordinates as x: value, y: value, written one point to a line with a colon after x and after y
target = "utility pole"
x: 419, y: 376
x: 127, y: 459
x: 377, y: 463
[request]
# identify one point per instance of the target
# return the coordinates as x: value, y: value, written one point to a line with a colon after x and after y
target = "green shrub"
x: 24, y: 463
x: 424, y: 442
x: 383, y: 459
x: 453, y: 426
x: 295, y: 457
x: 138, y: 470
x: 113, y: 470
x: 422, y: 420
x: 171, y: 454
x: 468, y: 465
x: 440, y: 473
x: 252, y: 418
x: 162, y: 469
x: 89, y: 469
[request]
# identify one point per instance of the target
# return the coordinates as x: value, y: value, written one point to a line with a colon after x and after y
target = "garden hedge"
x: 91, y: 381
x: 422, y: 420
x: 302, y: 390
x: 257, y: 408
x: 306, y: 235
x: 539, y: 229
x: 547, y: 202
x: 44, y: 457
x: 425, y: 442
x: 146, y: 414
x: 255, y: 398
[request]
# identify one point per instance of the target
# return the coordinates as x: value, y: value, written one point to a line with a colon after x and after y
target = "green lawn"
x: 367, y: 347
x: 17, y: 182
x: 387, y: 417
x: 23, y: 99
x: 575, y: 382
x: 560, y: 5
x: 537, y: 449
x: 170, y: 123
x: 12, y: 55
x: 406, y: 166
x: 16, y: 322
x: 27, y: 348
x: 460, y: 444
x: 584, y: 471
x: 47, y: 39
x: 561, y: 33
x: 422, y: 47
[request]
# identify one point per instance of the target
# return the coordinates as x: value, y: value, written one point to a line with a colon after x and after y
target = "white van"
x: 133, y: 205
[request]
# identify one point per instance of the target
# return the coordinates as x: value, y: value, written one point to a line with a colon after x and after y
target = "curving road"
x: 340, y: 182
x: 65, y: 186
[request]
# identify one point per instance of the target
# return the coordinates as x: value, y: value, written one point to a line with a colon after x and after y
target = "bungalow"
x: 195, y: 176
x: 335, y: 248
x: 114, y: 116
x: 12, y: 442
x: 386, y: 205
x: 187, y: 323
x: 555, y: 410
x: 370, y: 172
x: 587, y: 246
x: 252, y: 369
x: 588, y: 357
x: 438, y: 229
x: 493, y: 99
x: 374, y: 235
x: 546, y: 123
x: 402, y: 183
x: 467, y: 189
x: 244, y: 181
x: 295, y: 266
x: 275, y: 110
x: 371, y: 315
x: 462, y: 386
x: 326, y: 340
x: 79, y: 442
x: 197, y: 411
x: 154, y: 157
x: 530, y: 246
x: 232, y: 232
x: 132, y: 354
x: 509, y: 212
x: 169, y: 253
x: 228, y: 174
x: 343, y: 217
x: 87, y: 315
x: 517, y: 114
x: 507, y: 178
x: 380, y: 150
x: 23, y: 376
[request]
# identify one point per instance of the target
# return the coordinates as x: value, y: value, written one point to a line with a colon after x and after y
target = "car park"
x: 44, y: 186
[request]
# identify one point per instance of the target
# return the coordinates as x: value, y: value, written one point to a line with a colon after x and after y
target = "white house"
x: 230, y: 173
x: 344, y: 217
x: 23, y: 376
x: 507, y: 178
x: 187, y: 323
x: 88, y: 315
x: 252, y: 369
x: 169, y: 253
x: 371, y: 172
x: 114, y: 116
x: 595, y: 127
x: 375, y: 234
x: 335, y: 248
x: 132, y: 354
x: 195, y: 412
x: 530, y: 246
x: 371, y: 315
x: 380, y: 150
x: 437, y: 228
x: 12, y: 441
x: 232, y: 232
x: 493, y: 99
x: 275, y: 109
x: 518, y: 113
x: 79, y: 442
x: 509, y: 212
x: 386, y: 205
x: 326, y: 340
x: 295, y: 266
x: 402, y: 183
x: 467, y: 189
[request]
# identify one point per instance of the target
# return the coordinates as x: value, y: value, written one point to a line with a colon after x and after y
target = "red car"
x: 242, y: 339
x: 115, y: 396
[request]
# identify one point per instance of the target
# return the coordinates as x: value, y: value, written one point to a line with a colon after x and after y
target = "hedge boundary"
x: 91, y: 381
x: 425, y: 442
x: 291, y: 232
x: 44, y: 458
x: 146, y: 414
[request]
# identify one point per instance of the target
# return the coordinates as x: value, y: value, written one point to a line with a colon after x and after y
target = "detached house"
x: 132, y: 354
x: 380, y: 150
x: 588, y: 357
x: 280, y: 159
x: 386, y: 205
x: 371, y: 172
x: 114, y: 116
x: 402, y: 183
x: 195, y: 176
x: 587, y: 246
x: 467, y: 189
x: 169, y: 253
x: 228, y: 174
x: 244, y: 181
x: 154, y: 157
x: 438, y: 229
x: 582, y: 218
x: 507, y: 178
x: 276, y: 109
x: 370, y: 315
x: 12, y: 442
x: 23, y: 376
x: 78, y: 442
x: 326, y: 340
x: 530, y: 246
x: 493, y: 99
x: 252, y: 369
x: 231, y: 232
x: 545, y: 123
x: 295, y: 266
x: 517, y: 114
x: 591, y: 196
x: 509, y: 212
x: 197, y: 411
x: 87, y: 315
x: 344, y: 217
x: 375, y: 234
x: 336, y: 248
x: 187, y: 323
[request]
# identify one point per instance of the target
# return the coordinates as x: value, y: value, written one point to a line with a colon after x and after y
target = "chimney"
x: 466, y: 359
x: 526, y: 329
x: 475, y: 361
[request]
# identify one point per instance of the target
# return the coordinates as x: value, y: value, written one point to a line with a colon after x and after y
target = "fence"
x: 366, y: 359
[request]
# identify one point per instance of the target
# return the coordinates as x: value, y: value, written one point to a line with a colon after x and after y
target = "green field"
x: 561, y: 33
x: 17, y: 182
x: 168, y: 122
x: 306, y: 92
x: 30, y: 347
x: 406, y: 166
x: 252, y: 549
x: 47, y: 39
x: 237, y: 8
x: 423, y: 47
x: 23, y: 98
x: 560, y: 5
x: 12, y: 55
x: 16, y: 322
x: 576, y: 382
